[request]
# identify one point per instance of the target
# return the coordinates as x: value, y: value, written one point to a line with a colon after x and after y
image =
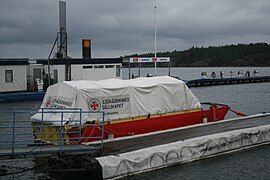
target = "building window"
x: 87, y: 67
x: 9, y: 75
x: 98, y: 66
x: 109, y: 66
x: 118, y: 70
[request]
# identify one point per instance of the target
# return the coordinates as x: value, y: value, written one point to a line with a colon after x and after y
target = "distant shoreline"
x: 240, y: 55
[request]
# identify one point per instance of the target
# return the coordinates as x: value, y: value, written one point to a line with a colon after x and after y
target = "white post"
x: 155, y: 38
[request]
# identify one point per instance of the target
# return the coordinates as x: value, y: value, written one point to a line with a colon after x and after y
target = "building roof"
x: 81, y: 61
x: 26, y: 61
x: 14, y: 61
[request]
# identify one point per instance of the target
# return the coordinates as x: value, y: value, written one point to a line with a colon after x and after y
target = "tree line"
x: 254, y: 54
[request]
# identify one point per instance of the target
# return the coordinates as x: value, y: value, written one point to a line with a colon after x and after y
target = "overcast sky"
x: 122, y: 27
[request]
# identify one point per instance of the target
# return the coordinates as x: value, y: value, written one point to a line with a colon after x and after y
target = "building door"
x: 118, y: 70
x: 36, y: 73
x: 55, y: 76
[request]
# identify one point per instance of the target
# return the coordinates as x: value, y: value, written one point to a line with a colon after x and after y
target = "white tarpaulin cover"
x: 181, y: 151
x: 118, y: 98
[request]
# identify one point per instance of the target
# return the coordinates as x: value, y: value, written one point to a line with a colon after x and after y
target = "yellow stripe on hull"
x: 48, y: 133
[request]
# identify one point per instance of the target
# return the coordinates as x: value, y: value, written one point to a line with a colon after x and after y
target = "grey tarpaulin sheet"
x: 181, y: 151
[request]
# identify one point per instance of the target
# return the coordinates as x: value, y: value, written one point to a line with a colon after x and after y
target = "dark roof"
x: 26, y: 61
x: 81, y: 61
x: 14, y: 61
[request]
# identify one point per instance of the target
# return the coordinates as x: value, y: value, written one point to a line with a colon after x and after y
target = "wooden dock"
x: 227, y: 81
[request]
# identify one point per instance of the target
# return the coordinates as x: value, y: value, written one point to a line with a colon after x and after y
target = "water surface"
x: 247, y: 164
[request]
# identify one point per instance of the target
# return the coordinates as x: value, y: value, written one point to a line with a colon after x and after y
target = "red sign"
x: 135, y: 59
x: 94, y: 105
x: 48, y: 103
x: 154, y: 59
x: 149, y: 59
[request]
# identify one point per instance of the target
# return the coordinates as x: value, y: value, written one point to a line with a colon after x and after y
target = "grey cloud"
x: 119, y: 27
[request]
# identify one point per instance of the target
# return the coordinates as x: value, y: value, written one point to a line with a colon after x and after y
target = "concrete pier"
x: 134, y: 155
x: 122, y: 145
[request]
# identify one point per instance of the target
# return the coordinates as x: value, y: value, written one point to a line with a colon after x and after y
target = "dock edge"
x: 160, y: 156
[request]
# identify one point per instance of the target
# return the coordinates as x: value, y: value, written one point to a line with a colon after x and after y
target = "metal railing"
x: 53, y: 131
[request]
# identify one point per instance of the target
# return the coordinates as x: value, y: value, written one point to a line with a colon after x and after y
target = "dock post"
x: 139, y: 73
x: 80, y: 129
x: 129, y: 69
x: 42, y: 127
x: 13, y: 133
x: 169, y: 67
x: 102, y: 131
x: 61, y: 134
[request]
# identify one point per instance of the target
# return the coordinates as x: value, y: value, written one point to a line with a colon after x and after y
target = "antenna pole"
x: 49, y: 72
x: 155, y: 38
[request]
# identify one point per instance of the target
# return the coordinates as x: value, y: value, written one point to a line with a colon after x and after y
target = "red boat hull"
x: 121, y: 128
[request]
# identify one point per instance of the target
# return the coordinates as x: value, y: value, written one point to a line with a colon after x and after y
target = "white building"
x: 13, y: 75
x: 22, y: 74
x: 84, y: 69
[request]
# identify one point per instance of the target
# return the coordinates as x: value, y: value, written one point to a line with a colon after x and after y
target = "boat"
x: 124, y: 107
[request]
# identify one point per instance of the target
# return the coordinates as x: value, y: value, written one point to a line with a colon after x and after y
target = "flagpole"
x: 155, y: 38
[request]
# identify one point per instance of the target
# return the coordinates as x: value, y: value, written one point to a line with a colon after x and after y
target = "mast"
x: 62, y: 46
x: 155, y: 73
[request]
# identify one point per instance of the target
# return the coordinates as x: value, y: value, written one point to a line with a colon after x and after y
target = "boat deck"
x: 143, y: 141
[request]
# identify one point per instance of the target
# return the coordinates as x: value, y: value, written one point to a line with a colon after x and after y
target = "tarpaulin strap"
x: 238, y: 113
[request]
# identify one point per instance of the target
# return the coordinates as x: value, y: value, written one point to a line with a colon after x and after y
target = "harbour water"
x: 247, y: 164
x: 189, y: 73
x: 248, y: 98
